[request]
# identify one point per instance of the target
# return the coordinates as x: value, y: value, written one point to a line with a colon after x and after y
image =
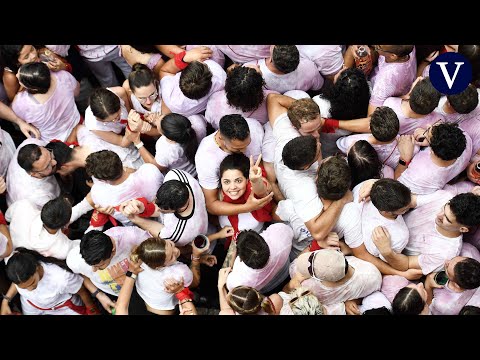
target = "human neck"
x: 271, y: 66
x: 49, y: 230
x: 189, y: 208
x: 447, y: 108
x: 447, y: 233
x: 373, y: 141
x: 79, y: 156
x: 407, y: 110
x: 439, y: 162
x: 121, y: 179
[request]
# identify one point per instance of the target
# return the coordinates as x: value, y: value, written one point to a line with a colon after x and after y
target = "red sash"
x: 79, y: 309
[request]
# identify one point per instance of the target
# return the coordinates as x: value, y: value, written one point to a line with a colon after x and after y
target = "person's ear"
x: 464, y: 229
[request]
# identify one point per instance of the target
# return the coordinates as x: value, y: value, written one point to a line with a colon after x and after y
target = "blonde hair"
x: 151, y: 251
x: 302, y: 111
x: 248, y: 301
x: 306, y: 304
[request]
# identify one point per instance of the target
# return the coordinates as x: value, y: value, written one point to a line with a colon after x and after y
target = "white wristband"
x: 139, y: 145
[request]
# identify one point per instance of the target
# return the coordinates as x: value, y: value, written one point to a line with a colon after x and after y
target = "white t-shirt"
x: 365, y: 280
x: 20, y: 185
x: 110, y: 280
x: 58, y: 115
x: 7, y: 149
x: 3, y: 244
x: 305, y: 77
x: 327, y: 58
x: 95, y: 53
x: 279, y: 240
x: 54, y: 288
x: 209, y: 155
x: 349, y: 225
x: 418, y: 176
x: 26, y: 229
x: 150, y: 286
x: 172, y: 155
x: 296, y: 185
x: 374, y: 301
x: 241, y: 54
x: 182, y: 230
x: 92, y: 123
x: 142, y: 183
x: 129, y: 156
x: 177, y: 102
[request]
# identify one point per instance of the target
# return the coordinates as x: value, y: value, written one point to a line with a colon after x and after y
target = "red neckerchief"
x: 261, y: 215
x: 74, y: 143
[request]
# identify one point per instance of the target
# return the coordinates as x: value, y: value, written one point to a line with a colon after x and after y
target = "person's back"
x: 241, y: 54
x: 327, y: 58
x: 6, y: 151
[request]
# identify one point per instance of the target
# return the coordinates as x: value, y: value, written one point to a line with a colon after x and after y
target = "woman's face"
x: 171, y: 253
x: 28, y: 55
x: 146, y: 95
x: 234, y: 183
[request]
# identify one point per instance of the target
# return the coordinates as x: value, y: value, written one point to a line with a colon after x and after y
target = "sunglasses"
x: 295, y: 298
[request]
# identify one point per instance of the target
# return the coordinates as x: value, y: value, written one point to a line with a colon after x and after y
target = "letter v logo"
x: 446, y: 75
x: 450, y: 73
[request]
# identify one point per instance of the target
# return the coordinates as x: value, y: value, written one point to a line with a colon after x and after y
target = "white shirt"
x: 110, y: 280
x: 142, y: 183
x: 150, y: 286
x: 20, y: 185
x: 27, y: 230
x: 7, y: 149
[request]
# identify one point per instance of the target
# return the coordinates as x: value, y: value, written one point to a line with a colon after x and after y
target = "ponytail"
x: 178, y: 128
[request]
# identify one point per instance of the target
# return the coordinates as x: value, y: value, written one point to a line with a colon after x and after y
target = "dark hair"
x: 172, y: 195
x: 285, y: 58
x: 104, y: 103
x: 140, y: 76
x: 246, y: 300
x: 472, y: 53
x: 95, y: 247
x: 424, y: 51
x: 470, y: 310
x: 464, y: 102
x: 104, y: 165
x: 424, y: 97
x: 466, y: 208
x: 244, y: 88
x: 303, y: 110
x: 56, y: 213
x: 467, y: 273
x: 299, y: 152
x: 27, y: 155
x: 196, y: 80
x: 24, y: 263
x: 377, y: 311
x: 151, y: 251
x: 384, y: 124
x: 252, y: 249
x: 63, y: 153
x: 390, y: 195
x: 349, y: 95
x: 9, y: 56
x: 334, y: 178
x: 400, y: 50
x: 447, y: 141
x: 178, y: 128
x: 364, y: 162
x: 234, y: 127
x: 407, y: 302
x: 35, y: 77
x: 237, y: 161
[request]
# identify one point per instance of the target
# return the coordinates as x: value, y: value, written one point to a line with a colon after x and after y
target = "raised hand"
x: 255, y: 173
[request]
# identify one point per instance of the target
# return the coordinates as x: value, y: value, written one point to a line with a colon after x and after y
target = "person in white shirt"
x: 46, y: 286
x: 41, y: 230
x: 113, y: 185
x: 327, y: 58
x: 241, y: 54
x: 284, y: 70
x: 103, y: 258
x: 30, y: 173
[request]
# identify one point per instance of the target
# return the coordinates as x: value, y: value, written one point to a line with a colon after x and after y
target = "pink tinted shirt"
x: 392, y: 284
x: 392, y: 79
x: 7, y: 149
x: 279, y: 239
x: 95, y: 52
x: 418, y: 176
x: 365, y: 280
x: 408, y: 125
x: 327, y: 58
x: 241, y: 54
x: 142, y: 183
x: 218, y: 106
x: 217, y: 55
x: 304, y: 77
x: 182, y: 230
x: 56, y: 117
x: 448, y: 302
x: 177, y: 102
x: 209, y: 155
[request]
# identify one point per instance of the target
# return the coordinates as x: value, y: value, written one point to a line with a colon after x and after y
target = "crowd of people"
x: 237, y: 179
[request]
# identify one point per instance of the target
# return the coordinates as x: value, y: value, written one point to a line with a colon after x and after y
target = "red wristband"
x: 184, y: 294
x: 149, y: 207
x: 2, y: 219
x: 329, y: 125
x: 179, y: 60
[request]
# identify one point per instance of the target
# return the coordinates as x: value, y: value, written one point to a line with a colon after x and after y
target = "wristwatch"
x: 132, y: 275
x: 403, y: 162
